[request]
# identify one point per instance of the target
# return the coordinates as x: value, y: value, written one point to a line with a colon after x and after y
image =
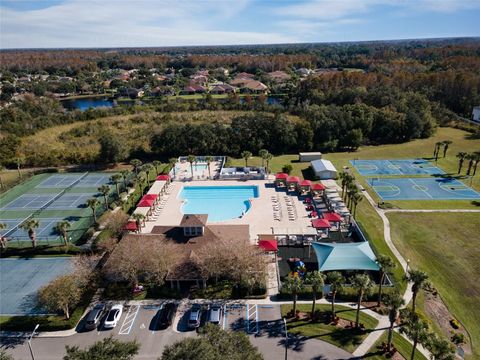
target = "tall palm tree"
x: 336, y: 280
x: 416, y: 330
x: 351, y: 191
x: 147, y: 168
x: 156, y: 164
x: 30, y: 226
x: 316, y: 280
x: 446, y: 144
x: 140, y: 179
x: 476, y: 155
x: 93, y: 204
x: 363, y: 284
x: 139, y: 218
x: 441, y: 349
x: 420, y: 281
x: 171, y: 163
x: 209, y: 159
x: 268, y: 158
x: 3, y: 240
x: 19, y: 163
x: 246, y: 155
x: 356, y: 199
x: 461, y: 158
x: 125, y: 175
x: 386, y: 264
x: 347, y: 179
x: 294, y: 285
x: 394, y: 301
x: 1, y: 181
x: 438, y: 145
x: 262, y: 153
x: 115, y: 178
x: 104, y: 190
x: 471, y: 160
x: 191, y: 159
x: 136, y: 165
x: 62, y: 228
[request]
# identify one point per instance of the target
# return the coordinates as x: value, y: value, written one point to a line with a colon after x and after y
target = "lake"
x: 88, y: 103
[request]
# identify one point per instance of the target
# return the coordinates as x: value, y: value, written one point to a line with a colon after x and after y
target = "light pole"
x: 286, y: 338
x: 408, y: 263
x: 30, y: 340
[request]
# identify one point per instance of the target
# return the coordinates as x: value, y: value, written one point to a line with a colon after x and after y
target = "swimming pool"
x: 219, y: 202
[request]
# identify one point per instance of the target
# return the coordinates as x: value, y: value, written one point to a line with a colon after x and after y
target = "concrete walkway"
x: 431, y: 210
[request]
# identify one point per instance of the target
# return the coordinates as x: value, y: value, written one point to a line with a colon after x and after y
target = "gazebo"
x: 322, y: 225
x: 163, y: 177
x: 345, y: 256
x: 292, y: 182
x: 304, y: 186
x: 281, y: 179
x: 333, y: 217
x: 317, y: 189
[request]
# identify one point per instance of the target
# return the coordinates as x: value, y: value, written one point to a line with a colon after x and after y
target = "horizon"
x: 48, y: 24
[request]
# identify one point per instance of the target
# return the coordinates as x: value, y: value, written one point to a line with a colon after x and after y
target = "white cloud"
x: 87, y: 23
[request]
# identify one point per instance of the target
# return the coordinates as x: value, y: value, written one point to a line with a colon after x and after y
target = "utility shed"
x: 309, y: 156
x: 324, y: 169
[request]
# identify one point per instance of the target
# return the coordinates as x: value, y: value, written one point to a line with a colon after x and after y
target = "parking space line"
x: 129, y: 320
x: 225, y: 314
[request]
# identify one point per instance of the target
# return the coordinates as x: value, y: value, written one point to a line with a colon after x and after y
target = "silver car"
x: 214, y: 314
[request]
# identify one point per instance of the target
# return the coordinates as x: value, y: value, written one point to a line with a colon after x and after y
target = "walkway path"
x: 429, y: 210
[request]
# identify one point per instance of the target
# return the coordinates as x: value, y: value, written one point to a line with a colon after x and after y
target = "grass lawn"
x: 444, y: 245
x: 402, y: 345
x: 347, y: 339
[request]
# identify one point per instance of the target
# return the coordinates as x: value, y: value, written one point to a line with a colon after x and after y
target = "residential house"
x: 222, y: 89
x: 254, y: 87
x: 304, y: 72
x: 279, y: 77
x: 132, y: 93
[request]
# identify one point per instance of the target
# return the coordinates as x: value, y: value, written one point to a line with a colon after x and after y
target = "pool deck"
x: 259, y: 217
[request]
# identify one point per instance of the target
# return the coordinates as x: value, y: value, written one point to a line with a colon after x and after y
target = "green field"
x: 445, y: 245
x: 346, y: 339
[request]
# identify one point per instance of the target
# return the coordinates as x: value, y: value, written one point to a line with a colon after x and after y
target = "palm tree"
x: 438, y: 145
x: 30, y: 226
x: 93, y: 204
x: 246, y: 155
x: 115, y: 178
x: 420, y: 281
x: 19, y: 162
x: 125, y: 175
x: 3, y: 240
x: 263, y: 153
x: 136, y: 165
x: 386, y: 264
x: 62, y: 228
x: 1, y: 181
x: 416, y: 330
x: 294, y: 285
x: 446, y: 144
x: 362, y: 283
x: 336, y: 280
x: 461, y: 158
x: 171, y: 163
x: 476, y: 155
x: 394, y: 301
x: 139, y: 218
x: 441, y: 349
x: 104, y: 190
x: 191, y: 159
x: 147, y: 168
x: 140, y: 180
x: 346, y: 181
x: 471, y: 160
x: 268, y: 158
x: 209, y: 159
x: 351, y: 191
x: 316, y: 280
x: 356, y: 199
x: 156, y: 164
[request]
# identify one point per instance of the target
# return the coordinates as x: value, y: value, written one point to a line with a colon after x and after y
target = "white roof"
x: 322, y: 165
x: 310, y: 153
x: 157, y: 187
x: 142, y: 210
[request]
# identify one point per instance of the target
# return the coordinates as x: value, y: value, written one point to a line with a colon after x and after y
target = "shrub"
x: 458, y: 338
x: 455, y: 324
x: 287, y: 168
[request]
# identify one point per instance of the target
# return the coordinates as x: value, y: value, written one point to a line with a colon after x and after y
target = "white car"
x: 113, y: 316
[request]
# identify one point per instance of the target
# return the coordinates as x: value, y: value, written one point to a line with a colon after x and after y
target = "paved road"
x: 262, y: 322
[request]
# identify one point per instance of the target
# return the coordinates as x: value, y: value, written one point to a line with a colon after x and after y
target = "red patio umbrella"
x: 318, y: 187
x: 313, y: 214
x: 281, y: 176
x: 293, y: 179
x: 305, y: 183
x: 268, y: 245
x: 131, y: 226
x: 163, y: 177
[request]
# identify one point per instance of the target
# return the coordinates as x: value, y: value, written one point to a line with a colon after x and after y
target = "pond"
x: 88, y: 103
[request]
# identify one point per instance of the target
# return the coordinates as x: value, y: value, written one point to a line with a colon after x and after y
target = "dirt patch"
x: 436, y: 310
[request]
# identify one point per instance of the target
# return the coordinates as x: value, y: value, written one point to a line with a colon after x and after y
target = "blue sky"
x: 116, y: 23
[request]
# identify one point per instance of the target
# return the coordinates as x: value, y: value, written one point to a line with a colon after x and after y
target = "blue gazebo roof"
x: 345, y: 256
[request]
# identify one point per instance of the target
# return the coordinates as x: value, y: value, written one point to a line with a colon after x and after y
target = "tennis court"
x: 46, y: 229
x: 60, y: 181
x: 93, y: 180
x: 29, y: 202
x: 396, y: 167
x: 422, y: 189
x: 22, y: 278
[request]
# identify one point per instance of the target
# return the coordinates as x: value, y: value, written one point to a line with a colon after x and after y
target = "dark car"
x: 195, y: 316
x: 166, y: 315
x: 94, y: 316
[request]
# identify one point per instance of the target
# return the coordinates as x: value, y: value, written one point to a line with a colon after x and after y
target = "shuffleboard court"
x: 396, y: 167
x: 422, y: 189
x: 22, y: 278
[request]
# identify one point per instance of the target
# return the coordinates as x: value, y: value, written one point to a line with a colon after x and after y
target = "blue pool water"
x: 219, y: 202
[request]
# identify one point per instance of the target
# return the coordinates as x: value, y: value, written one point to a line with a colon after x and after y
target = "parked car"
x: 214, y: 314
x: 94, y: 317
x: 195, y: 316
x: 166, y: 315
x: 113, y: 316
